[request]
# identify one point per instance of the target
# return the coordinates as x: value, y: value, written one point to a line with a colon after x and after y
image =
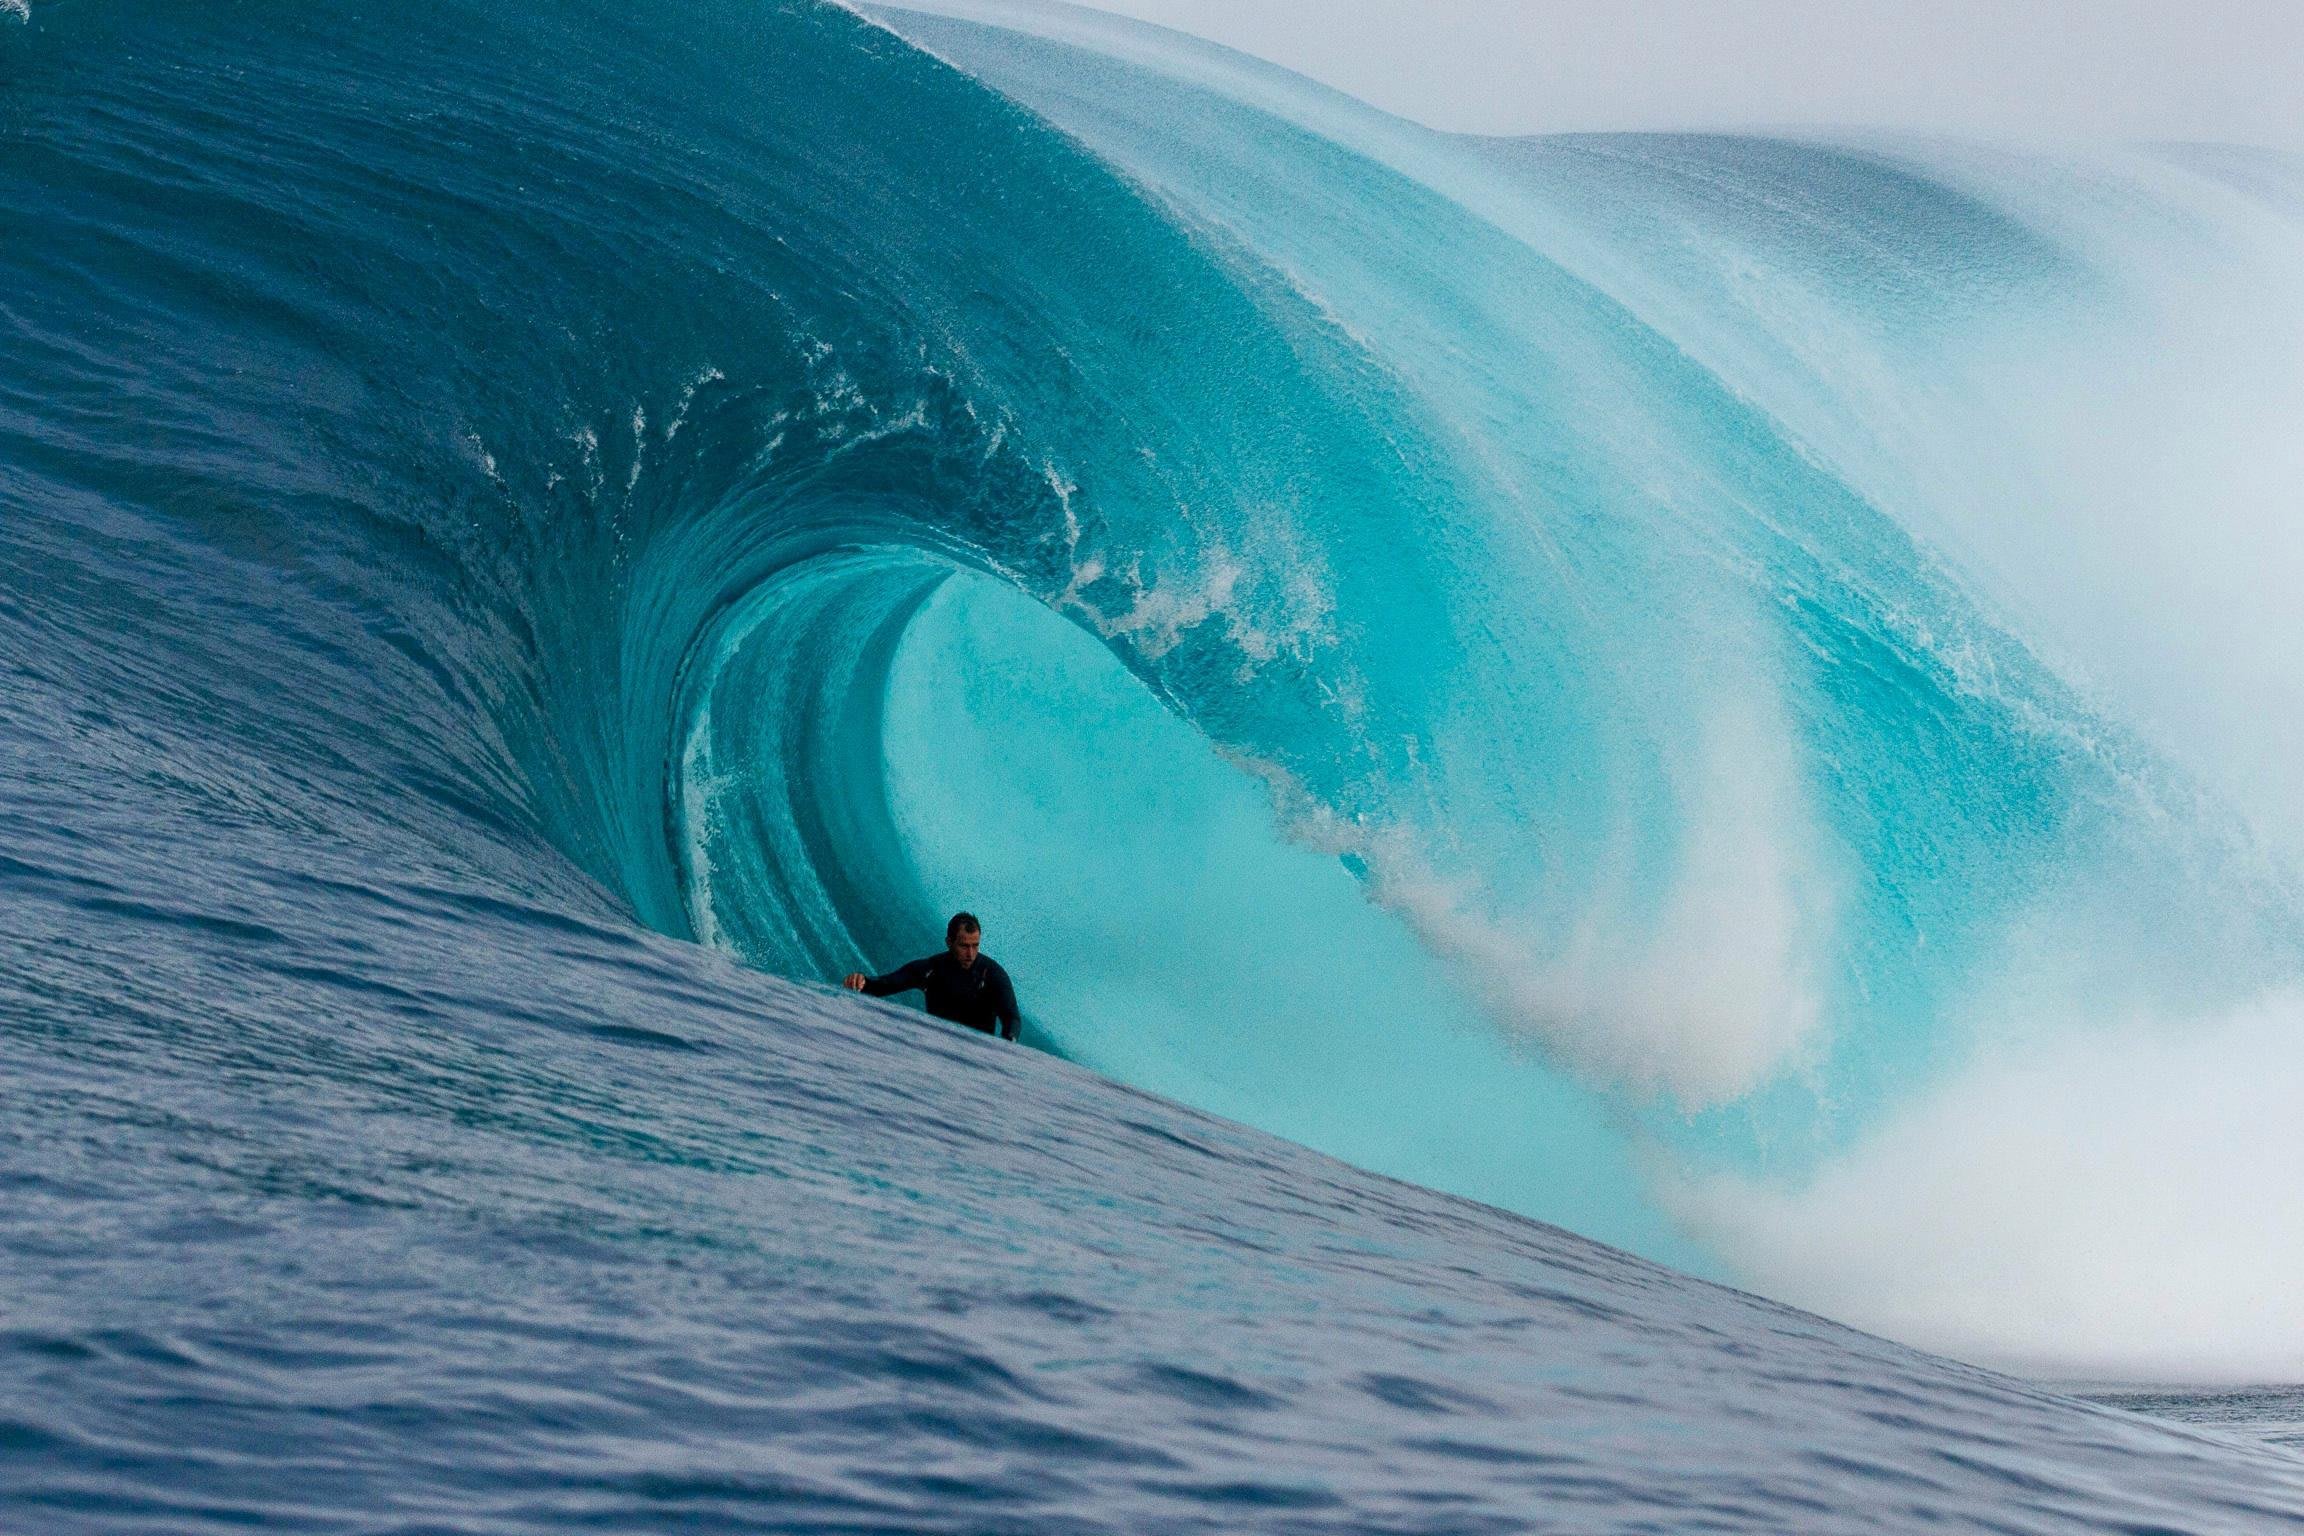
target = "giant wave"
x: 1722, y: 693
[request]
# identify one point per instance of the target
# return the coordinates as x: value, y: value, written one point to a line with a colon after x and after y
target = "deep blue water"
x: 533, y: 537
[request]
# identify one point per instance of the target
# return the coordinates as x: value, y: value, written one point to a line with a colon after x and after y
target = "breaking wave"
x: 1735, y: 695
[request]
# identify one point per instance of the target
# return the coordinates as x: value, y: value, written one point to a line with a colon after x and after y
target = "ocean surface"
x: 1561, y: 735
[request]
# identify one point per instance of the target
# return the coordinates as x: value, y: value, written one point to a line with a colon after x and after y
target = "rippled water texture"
x: 533, y: 536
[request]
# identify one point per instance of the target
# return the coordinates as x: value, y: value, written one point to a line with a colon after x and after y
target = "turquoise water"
x: 1497, y: 699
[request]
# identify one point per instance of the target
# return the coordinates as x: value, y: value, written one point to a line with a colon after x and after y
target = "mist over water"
x: 2139, y: 71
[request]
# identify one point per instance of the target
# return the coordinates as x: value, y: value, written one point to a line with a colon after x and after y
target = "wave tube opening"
x: 885, y: 737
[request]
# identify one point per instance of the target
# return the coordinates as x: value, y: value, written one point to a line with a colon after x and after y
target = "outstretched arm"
x: 905, y: 978
x: 1004, y: 1007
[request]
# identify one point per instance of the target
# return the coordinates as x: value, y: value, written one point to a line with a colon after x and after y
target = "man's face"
x: 964, y: 946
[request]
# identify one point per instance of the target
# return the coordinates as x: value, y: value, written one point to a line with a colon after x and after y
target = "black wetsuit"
x: 979, y: 996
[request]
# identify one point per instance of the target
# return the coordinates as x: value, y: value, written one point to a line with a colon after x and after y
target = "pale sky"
x: 2203, y: 69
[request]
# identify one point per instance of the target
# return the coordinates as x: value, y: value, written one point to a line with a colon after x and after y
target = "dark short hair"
x: 962, y: 922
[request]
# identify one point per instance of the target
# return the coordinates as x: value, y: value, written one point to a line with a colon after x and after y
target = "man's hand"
x: 855, y: 981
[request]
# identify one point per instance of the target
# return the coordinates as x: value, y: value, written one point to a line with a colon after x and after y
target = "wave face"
x: 1629, y: 679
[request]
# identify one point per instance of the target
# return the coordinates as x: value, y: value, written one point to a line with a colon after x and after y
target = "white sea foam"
x: 480, y: 454
x: 1281, y: 605
x: 1703, y: 1004
x: 1711, y: 1000
x: 2123, y: 1201
x: 688, y: 398
x: 698, y: 786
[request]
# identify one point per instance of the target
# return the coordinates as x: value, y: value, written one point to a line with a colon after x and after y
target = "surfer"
x: 963, y: 984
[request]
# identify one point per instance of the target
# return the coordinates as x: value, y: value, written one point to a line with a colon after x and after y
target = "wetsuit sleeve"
x: 1004, y: 1006
x: 905, y: 978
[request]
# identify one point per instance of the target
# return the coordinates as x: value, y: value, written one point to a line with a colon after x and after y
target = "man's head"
x: 962, y: 935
